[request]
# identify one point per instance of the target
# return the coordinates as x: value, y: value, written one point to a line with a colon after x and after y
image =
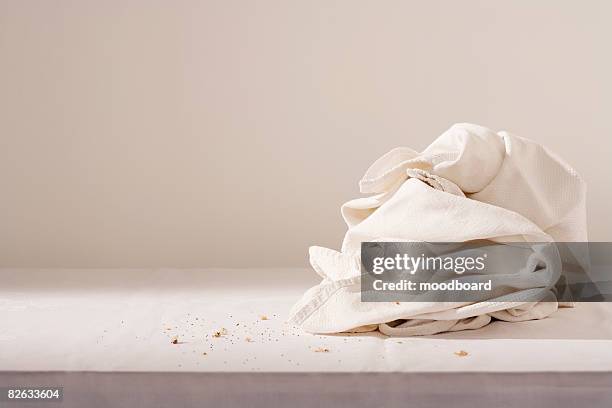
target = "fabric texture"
x: 469, y: 184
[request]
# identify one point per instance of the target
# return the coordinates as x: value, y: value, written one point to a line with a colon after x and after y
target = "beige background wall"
x: 227, y: 133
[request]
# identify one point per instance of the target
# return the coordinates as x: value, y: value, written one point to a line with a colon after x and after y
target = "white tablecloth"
x: 124, y: 320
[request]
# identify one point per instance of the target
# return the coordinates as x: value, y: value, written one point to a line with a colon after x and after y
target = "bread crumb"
x: 205, y: 354
x: 174, y: 340
x: 397, y: 303
x: 248, y: 340
x: 461, y: 353
x: 322, y: 350
x: 263, y: 317
x: 220, y: 333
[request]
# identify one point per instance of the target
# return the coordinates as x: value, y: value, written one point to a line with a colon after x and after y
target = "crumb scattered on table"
x: 174, y: 340
x: 263, y: 317
x: 220, y: 333
x: 461, y: 353
x: 322, y: 350
x: 248, y: 340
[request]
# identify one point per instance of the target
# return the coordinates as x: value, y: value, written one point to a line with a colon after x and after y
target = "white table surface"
x: 123, y: 321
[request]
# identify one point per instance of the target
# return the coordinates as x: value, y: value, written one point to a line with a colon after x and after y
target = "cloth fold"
x: 470, y: 184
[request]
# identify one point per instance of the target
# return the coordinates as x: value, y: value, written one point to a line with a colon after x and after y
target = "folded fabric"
x: 469, y: 184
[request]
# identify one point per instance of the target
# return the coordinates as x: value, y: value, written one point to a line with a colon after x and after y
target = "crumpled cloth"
x: 469, y: 184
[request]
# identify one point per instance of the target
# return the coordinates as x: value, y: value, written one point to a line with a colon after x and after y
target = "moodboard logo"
x: 485, y: 271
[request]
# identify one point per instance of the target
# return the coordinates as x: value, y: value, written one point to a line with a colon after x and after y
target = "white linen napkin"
x: 469, y: 184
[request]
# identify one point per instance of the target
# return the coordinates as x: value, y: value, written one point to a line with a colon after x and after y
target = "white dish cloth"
x: 469, y: 184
